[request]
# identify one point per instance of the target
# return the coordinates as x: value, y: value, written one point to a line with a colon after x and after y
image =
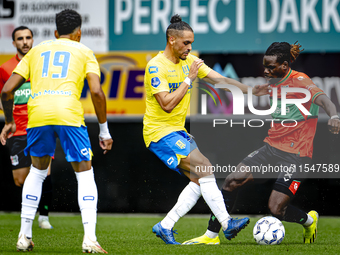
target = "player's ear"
x: 285, y: 65
x: 172, y: 40
x: 56, y: 34
x: 14, y: 44
x: 78, y: 35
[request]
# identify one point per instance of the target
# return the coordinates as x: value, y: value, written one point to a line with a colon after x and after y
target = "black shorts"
x: 16, y: 145
x: 283, y: 165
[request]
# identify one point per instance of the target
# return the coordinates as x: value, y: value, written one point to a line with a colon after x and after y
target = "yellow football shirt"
x: 163, y: 75
x: 57, y: 69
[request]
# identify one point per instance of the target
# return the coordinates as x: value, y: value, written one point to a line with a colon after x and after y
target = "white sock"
x: 213, y: 197
x: 26, y: 227
x: 87, y: 200
x: 186, y: 200
x: 31, y: 194
x: 309, y: 221
x: 211, y: 234
x: 42, y: 217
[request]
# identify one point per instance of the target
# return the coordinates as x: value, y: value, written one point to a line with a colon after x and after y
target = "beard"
x: 21, y: 52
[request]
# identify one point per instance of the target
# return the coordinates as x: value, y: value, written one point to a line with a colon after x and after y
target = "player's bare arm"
x: 168, y: 101
x: 214, y: 78
x: 329, y: 107
x: 7, y: 98
x: 99, y: 103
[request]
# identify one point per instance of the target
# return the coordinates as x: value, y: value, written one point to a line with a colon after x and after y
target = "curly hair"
x: 284, y: 51
x: 67, y: 21
x: 176, y: 25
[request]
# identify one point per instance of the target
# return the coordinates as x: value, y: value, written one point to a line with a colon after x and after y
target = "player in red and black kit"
x: 23, y: 40
x: 287, y: 147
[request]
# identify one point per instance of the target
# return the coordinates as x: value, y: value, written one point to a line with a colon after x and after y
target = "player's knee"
x: 276, y: 210
x: 19, y: 181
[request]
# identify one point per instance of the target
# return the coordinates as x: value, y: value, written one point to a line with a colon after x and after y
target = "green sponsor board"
x: 235, y: 26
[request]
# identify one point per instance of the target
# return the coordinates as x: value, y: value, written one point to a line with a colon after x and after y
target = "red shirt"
x: 21, y: 96
x: 298, y: 139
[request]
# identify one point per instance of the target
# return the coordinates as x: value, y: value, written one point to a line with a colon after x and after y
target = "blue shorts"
x: 41, y: 141
x: 172, y: 147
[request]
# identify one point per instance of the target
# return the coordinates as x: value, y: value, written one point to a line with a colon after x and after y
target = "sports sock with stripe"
x: 186, y: 200
x: 213, y: 197
x: 87, y: 200
x: 31, y: 193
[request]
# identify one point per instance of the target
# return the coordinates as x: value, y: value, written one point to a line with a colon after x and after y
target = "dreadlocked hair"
x: 177, y: 26
x: 284, y: 51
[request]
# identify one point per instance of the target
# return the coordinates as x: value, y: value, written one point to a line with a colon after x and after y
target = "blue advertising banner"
x: 233, y: 26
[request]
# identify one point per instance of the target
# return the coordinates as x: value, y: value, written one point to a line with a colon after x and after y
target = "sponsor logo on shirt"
x: 52, y: 92
x: 153, y: 69
x: 174, y: 85
x: 300, y: 78
x: 155, y: 81
x: 23, y: 92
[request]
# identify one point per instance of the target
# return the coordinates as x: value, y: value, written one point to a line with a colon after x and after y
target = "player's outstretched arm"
x: 168, y: 101
x: 7, y: 98
x: 330, y: 109
x: 99, y: 103
x: 214, y: 78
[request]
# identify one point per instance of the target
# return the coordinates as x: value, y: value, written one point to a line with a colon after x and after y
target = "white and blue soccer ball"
x: 269, y: 230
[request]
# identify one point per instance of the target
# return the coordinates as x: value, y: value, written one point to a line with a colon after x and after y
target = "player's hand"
x: 261, y: 90
x: 7, y: 132
x: 334, y: 126
x: 194, y: 69
x: 106, y: 144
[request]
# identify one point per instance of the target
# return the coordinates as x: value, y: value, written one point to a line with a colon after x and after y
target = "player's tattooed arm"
x: 8, y: 110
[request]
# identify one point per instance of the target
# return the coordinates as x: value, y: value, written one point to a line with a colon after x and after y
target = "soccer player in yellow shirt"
x: 168, y: 83
x: 57, y: 69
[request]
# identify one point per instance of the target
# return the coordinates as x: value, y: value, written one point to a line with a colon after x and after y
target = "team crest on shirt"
x: 180, y: 144
x: 185, y: 69
x: 155, y: 81
x: 15, y: 160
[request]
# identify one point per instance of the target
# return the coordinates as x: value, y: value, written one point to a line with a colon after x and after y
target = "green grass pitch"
x: 132, y: 235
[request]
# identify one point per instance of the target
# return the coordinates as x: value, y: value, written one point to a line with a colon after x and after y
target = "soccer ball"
x: 268, y: 230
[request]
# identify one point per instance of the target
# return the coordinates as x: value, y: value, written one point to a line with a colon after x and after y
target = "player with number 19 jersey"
x: 57, y: 80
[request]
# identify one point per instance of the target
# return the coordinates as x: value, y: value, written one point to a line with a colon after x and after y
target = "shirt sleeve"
x: 23, y: 67
x: 204, y: 69
x: 92, y: 65
x: 155, y: 79
x: 2, y: 82
x: 307, y: 83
